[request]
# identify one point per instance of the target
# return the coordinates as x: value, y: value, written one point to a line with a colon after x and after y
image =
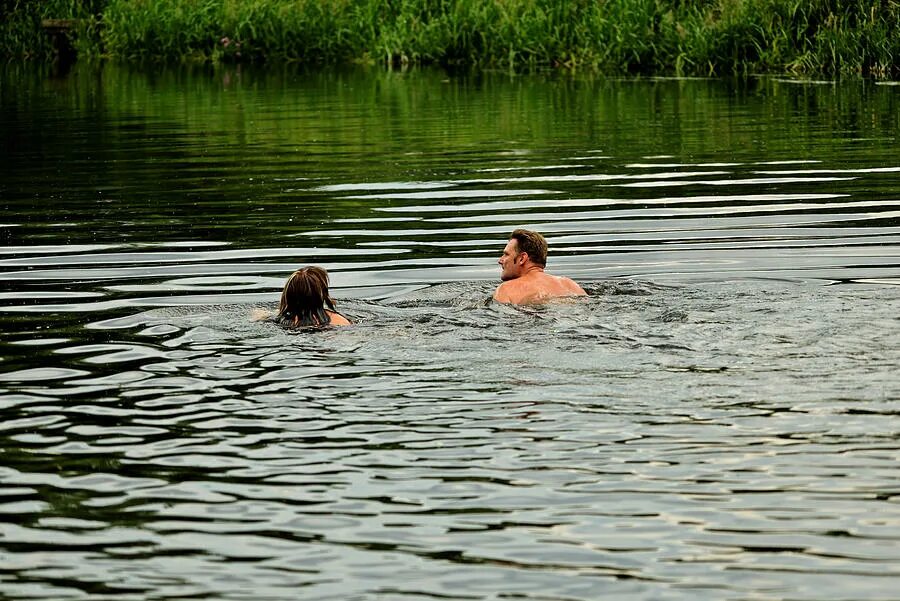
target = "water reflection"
x: 714, y: 420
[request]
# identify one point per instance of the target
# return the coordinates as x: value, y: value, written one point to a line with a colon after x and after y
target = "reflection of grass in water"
x: 391, y: 113
x: 690, y: 37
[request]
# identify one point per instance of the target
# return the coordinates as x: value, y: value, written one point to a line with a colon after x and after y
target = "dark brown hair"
x: 532, y: 243
x: 304, y: 298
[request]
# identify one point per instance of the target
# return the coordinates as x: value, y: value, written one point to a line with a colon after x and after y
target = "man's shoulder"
x: 507, y: 291
x: 569, y: 284
x: 558, y: 284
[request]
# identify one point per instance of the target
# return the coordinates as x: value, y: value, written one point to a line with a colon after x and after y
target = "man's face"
x: 511, y: 261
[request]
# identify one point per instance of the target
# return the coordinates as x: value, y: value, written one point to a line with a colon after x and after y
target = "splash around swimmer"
x: 307, y: 302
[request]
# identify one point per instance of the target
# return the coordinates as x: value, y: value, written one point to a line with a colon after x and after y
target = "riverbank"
x: 691, y: 37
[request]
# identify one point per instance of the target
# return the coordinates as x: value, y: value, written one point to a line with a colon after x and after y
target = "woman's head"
x: 305, y: 297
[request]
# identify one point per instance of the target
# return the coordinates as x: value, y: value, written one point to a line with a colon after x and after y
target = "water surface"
x: 718, y: 419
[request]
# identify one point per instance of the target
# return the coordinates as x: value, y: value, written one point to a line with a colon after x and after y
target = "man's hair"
x: 305, y: 297
x: 533, y: 244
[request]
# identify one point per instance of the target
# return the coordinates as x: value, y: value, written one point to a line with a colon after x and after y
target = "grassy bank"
x: 689, y: 37
x: 21, y: 34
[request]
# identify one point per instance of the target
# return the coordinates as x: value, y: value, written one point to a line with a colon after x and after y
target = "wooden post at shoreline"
x: 61, y: 32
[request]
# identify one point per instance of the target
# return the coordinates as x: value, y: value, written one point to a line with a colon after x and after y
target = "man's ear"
x: 524, y: 254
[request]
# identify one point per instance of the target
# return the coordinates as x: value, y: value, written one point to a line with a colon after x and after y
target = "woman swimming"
x: 305, y: 298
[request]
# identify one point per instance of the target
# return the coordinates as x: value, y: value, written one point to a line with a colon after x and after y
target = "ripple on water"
x: 640, y: 436
x: 713, y: 421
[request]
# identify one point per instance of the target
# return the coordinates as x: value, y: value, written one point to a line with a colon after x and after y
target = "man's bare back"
x: 536, y: 287
x: 522, y: 272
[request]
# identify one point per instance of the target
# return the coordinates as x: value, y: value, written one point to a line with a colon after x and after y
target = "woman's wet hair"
x: 304, y: 299
x: 532, y: 243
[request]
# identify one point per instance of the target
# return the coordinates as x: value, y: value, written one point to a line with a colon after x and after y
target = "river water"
x: 717, y: 420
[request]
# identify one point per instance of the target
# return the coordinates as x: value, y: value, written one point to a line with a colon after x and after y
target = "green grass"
x: 21, y: 34
x: 685, y: 37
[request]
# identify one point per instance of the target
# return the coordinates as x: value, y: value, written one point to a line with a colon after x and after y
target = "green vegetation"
x: 685, y: 37
x: 21, y: 34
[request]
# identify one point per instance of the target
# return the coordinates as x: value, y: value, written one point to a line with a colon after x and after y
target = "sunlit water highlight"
x: 718, y: 419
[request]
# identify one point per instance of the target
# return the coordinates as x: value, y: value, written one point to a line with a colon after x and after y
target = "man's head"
x: 524, y: 247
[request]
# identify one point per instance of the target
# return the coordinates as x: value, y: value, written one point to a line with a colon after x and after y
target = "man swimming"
x: 522, y: 271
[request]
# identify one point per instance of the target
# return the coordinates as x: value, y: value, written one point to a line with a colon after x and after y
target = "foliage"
x: 22, y: 36
x: 829, y: 37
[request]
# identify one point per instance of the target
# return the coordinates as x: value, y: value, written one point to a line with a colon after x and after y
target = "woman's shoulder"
x: 258, y: 314
x: 336, y: 319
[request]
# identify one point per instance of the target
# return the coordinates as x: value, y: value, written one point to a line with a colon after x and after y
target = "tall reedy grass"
x: 828, y: 37
x: 687, y: 37
x: 22, y: 36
